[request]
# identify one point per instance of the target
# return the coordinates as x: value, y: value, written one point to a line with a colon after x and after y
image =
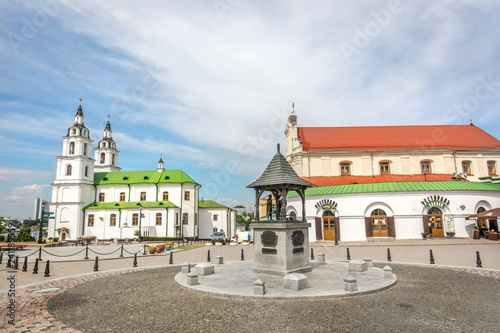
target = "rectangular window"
x: 122, y: 196
x: 112, y: 220
x: 384, y: 168
x: 466, y: 168
x: 492, y: 168
x: 91, y: 220
x: 143, y: 196
x: 187, y: 196
x: 185, y: 218
x: 345, y: 169
x: 426, y: 167
x: 216, y: 217
x: 135, y: 219
x: 101, y: 197
x: 165, y: 196
x: 158, y: 218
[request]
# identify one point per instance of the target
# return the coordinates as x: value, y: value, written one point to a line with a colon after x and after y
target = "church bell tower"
x: 106, y: 155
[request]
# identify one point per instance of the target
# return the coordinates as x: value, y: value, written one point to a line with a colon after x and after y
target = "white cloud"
x: 23, y: 175
x: 206, y: 165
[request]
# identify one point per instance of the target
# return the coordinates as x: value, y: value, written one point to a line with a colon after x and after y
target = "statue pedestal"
x: 281, y: 247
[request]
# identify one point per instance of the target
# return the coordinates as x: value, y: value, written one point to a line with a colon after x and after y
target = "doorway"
x: 435, y: 221
x: 379, y: 223
x: 63, y: 236
x: 328, y: 225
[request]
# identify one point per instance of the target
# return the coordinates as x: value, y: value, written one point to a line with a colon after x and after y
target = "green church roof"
x: 399, y: 187
x: 210, y: 204
x: 130, y: 205
x: 142, y: 177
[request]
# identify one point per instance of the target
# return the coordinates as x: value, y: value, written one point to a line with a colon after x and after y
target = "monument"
x: 281, y: 244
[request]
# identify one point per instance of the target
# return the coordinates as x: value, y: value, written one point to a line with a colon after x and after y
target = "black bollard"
x: 208, y: 256
x: 25, y: 265
x: 1, y: 256
x: 242, y: 255
x: 87, y: 252
x: 432, y: 257
x: 35, y: 268
x: 348, y: 254
x: 121, y: 253
x: 312, y: 254
x: 40, y: 253
x: 16, y: 263
x: 171, y: 260
x: 478, y: 260
x: 389, y: 255
x: 145, y: 247
x: 96, y: 265
x: 135, y: 260
x: 9, y: 262
x: 47, y: 271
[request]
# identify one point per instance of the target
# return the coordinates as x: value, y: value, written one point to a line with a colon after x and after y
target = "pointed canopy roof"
x: 279, y: 172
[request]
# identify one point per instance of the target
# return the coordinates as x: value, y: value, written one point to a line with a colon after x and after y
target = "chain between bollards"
x: 312, y: 254
x: 242, y: 255
x: 208, y: 256
x: 96, y: 265
x: 348, y: 254
x: 389, y: 258
x: 478, y: 260
x: 25, y: 265
x: 47, y: 270
x: 135, y: 259
x: 171, y: 260
x: 121, y: 253
x: 87, y: 252
x: 35, y: 268
x: 431, y: 257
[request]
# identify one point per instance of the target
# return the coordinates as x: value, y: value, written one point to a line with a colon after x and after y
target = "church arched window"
x: 71, y: 148
x: 73, y: 131
x: 103, y: 156
x: 68, y: 170
x: 113, y: 159
x: 85, y: 149
x: 86, y: 171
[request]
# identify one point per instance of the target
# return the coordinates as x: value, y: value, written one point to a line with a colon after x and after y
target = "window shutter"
x: 368, y: 227
x: 337, y: 227
x: 391, y: 228
x: 319, y: 228
x: 426, y: 224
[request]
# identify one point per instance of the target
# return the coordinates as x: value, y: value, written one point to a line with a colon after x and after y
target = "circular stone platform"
x: 236, y: 279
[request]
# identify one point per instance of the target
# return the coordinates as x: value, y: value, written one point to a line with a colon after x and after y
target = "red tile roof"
x: 396, y: 138
x: 344, y: 180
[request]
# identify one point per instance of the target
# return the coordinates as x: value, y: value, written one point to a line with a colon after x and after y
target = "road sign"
x: 48, y: 213
x: 50, y: 217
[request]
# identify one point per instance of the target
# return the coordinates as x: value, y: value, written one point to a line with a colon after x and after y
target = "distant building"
x: 393, y: 182
x: 91, y: 196
x: 37, y: 208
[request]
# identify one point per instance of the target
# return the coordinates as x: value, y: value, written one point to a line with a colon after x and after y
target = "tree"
x: 24, y: 235
x: 244, y: 217
x: 239, y: 206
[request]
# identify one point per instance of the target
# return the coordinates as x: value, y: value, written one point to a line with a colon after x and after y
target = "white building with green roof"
x: 92, y: 197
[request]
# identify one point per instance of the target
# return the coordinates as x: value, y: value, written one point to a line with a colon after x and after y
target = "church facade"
x: 393, y: 182
x: 92, y: 196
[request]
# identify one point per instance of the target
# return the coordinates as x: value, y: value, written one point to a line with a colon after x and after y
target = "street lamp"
x: 140, y: 220
x: 40, y: 233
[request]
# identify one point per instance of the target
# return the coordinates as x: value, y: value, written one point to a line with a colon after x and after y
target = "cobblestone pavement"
x: 426, y: 298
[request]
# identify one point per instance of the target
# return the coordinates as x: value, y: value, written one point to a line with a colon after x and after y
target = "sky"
x: 210, y: 84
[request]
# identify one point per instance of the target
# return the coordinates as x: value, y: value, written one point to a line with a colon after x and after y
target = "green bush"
x: 25, y: 235
x: 161, y: 239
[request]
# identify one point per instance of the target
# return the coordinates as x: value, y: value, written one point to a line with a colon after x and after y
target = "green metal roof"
x: 210, y: 204
x: 399, y: 187
x: 142, y: 177
x: 131, y: 205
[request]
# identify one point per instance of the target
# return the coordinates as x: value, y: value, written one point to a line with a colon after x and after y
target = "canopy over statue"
x: 279, y: 178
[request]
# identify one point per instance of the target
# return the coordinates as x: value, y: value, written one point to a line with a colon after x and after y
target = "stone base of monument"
x: 281, y: 247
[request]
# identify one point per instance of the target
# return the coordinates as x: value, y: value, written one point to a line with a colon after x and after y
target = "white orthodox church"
x: 91, y: 196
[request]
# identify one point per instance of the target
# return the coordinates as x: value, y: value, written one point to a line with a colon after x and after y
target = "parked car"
x: 219, y: 236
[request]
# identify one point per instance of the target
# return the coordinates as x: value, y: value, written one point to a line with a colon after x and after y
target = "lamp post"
x: 140, y: 221
x: 40, y: 233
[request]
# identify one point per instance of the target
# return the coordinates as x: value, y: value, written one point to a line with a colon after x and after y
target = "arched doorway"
x: 328, y: 225
x: 292, y: 215
x: 63, y: 236
x: 379, y: 223
x: 435, y: 221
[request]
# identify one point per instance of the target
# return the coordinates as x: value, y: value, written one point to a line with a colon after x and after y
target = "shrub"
x: 2, y: 238
x: 161, y: 239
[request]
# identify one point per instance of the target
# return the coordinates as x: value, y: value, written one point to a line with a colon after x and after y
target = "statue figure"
x: 269, y: 212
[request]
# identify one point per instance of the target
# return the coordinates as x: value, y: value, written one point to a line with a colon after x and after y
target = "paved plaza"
x: 451, y: 295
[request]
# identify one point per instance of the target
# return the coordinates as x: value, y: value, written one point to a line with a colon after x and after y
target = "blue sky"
x: 209, y: 84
